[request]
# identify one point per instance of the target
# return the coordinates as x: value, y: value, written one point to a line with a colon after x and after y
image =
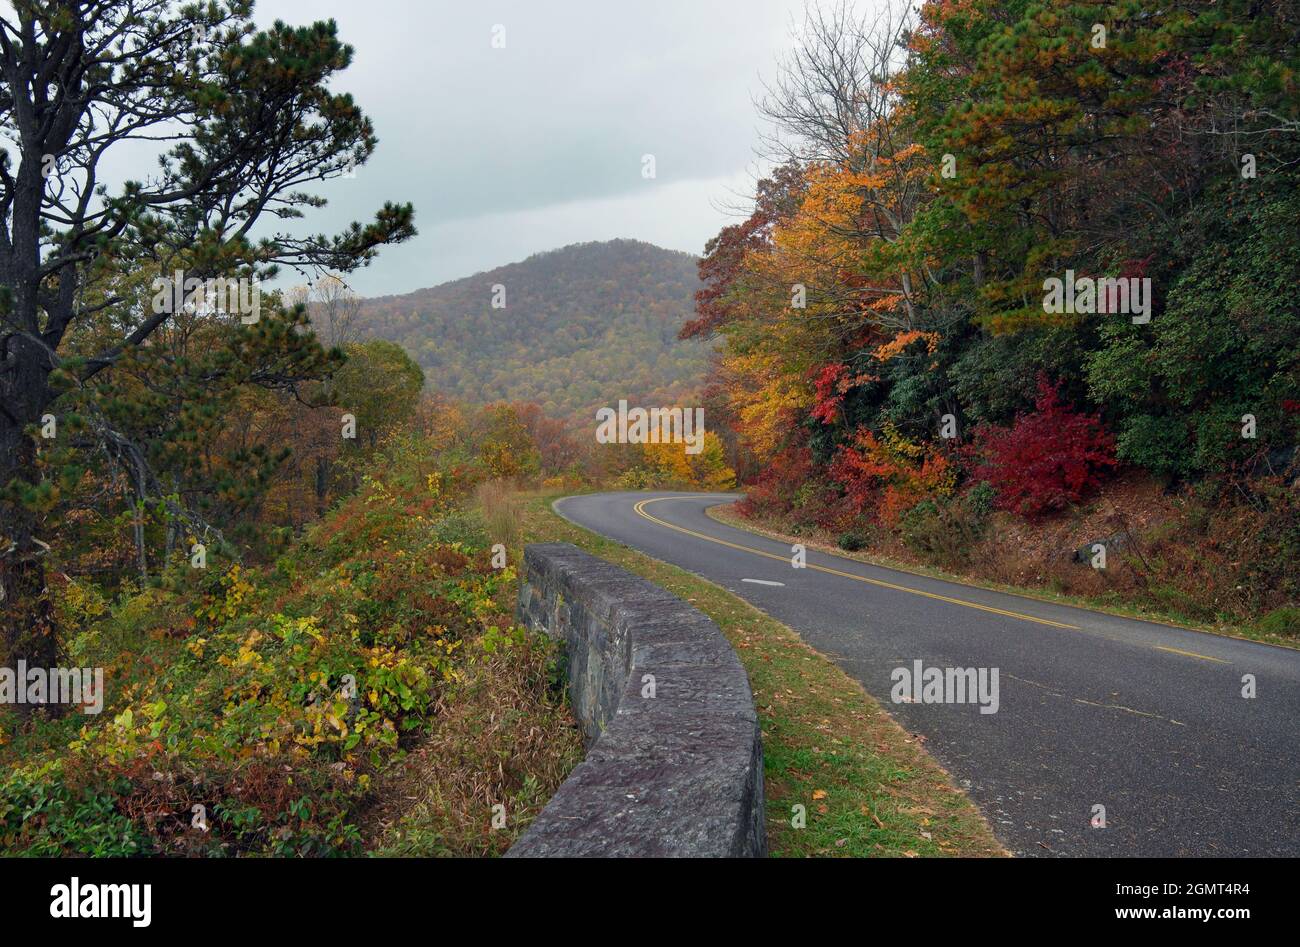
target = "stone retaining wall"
x: 679, y: 773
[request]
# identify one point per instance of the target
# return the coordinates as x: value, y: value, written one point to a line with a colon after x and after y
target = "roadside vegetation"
x: 895, y: 368
x: 867, y: 786
x: 276, y: 536
x: 365, y: 690
x: 1036, y: 560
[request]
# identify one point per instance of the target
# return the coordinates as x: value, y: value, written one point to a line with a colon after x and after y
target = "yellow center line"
x: 640, y: 510
x: 1191, y: 654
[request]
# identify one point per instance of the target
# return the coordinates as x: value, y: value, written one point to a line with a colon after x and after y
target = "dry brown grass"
x: 502, y: 736
x: 496, y: 500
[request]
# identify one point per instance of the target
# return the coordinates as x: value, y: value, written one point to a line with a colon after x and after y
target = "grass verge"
x: 867, y: 787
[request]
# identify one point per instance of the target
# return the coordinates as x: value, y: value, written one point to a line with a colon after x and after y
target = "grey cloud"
x: 561, y: 116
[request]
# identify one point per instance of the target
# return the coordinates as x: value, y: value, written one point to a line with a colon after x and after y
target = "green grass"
x: 868, y: 787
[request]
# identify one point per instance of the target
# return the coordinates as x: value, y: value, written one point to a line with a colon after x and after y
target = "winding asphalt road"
x: 1144, y: 719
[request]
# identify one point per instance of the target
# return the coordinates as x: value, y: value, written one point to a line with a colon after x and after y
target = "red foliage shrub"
x: 773, y: 493
x: 829, y: 392
x: 793, y: 492
x: 883, y: 476
x: 1047, y: 459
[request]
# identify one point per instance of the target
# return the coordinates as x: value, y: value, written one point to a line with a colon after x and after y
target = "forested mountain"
x: 573, y: 329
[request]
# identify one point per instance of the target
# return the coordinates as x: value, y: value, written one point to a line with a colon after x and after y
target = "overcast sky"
x: 506, y: 152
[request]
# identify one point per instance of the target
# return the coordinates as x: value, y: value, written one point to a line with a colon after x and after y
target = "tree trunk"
x: 322, y: 483
x: 27, y: 628
x: 142, y: 554
x: 907, y: 300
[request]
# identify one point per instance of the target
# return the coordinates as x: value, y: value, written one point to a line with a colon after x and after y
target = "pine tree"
x: 257, y: 123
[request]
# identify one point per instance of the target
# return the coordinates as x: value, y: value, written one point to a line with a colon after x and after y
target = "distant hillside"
x: 583, y: 326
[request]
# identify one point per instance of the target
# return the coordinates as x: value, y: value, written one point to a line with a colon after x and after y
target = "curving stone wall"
x: 676, y: 774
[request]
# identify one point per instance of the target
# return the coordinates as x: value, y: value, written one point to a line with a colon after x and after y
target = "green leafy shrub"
x: 1226, y: 344
x: 41, y: 816
x: 853, y: 540
x: 981, y: 498
x: 945, y: 532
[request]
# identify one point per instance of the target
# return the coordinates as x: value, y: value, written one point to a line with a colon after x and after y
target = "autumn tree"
x: 557, y: 450
x: 333, y: 307
x: 378, y: 385
x: 502, y: 442
x: 937, y: 170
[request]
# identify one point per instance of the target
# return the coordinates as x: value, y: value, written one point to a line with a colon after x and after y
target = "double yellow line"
x: 640, y: 509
